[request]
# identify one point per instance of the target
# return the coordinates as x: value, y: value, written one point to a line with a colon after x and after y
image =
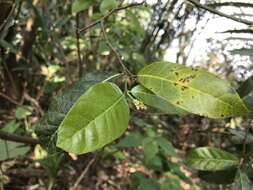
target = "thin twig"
x: 16, y: 138
x: 109, y: 14
x: 125, y: 70
x: 78, y: 46
x: 199, y: 5
x: 79, y: 179
x: 9, y: 99
x: 9, y: 15
x: 235, y: 4
x: 34, y: 102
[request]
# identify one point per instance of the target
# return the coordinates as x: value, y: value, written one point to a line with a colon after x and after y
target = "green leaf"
x: 149, y: 184
x: 59, y: 107
x: 166, y: 146
x: 242, y: 181
x: 107, y: 5
x: 156, y: 101
x: 97, y: 118
x: 22, y: 112
x: 52, y: 163
x: 211, y: 159
x: 173, y: 182
x: 150, y: 150
x: 193, y: 90
x: 218, y: 177
x: 10, y: 149
x: 132, y: 140
x: 81, y: 5
x: 246, y: 92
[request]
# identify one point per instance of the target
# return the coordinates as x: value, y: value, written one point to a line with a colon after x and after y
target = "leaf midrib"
x: 212, y: 159
x: 194, y: 89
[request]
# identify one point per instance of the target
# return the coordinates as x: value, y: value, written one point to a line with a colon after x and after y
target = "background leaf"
x: 80, y: 5
x: 246, y: 92
x: 242, y: 181
x: 166, y: 146
x: 150, y: 150
x: 131, y: 140
x: 156, y: 101
x: 107, y: 5
x: 98, y: 117
x: 10, y: 149
x: 211, y: 159
x: 193, y: 90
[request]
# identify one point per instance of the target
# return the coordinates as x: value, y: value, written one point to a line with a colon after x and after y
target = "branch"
x: 109, y: 14
x: 12, y: 137
x: 235, y: 4
x: 79, y: 179
x: 9, y: 99
x: 78, y: 46
x: 199, y: 5
x: 114, y: 50
x: 248, y: 31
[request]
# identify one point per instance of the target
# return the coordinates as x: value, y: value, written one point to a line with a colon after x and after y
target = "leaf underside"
x: 193, y: 90
x: 97, y: 118
x: 153, y: 100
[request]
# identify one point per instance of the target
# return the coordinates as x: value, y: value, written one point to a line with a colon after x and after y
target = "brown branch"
x: 199, y: 5
x: 9, y: 99
x: 78, y: 46
x: 16, y: 138
x: 109, y: 14
x: 248, y: 31
x: 235, y: 4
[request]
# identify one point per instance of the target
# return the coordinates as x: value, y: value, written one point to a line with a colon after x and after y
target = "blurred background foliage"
x: 46, y: 46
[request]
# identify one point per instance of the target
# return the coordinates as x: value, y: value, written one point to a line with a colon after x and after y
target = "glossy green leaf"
x: 211, y: 159
x: 193, y: 90
x: 242, y: 181
x: 97, y: 118
x: 59, y: 107
x: 107, y: 5
x: 156, y: 101
x: 81, y: 5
